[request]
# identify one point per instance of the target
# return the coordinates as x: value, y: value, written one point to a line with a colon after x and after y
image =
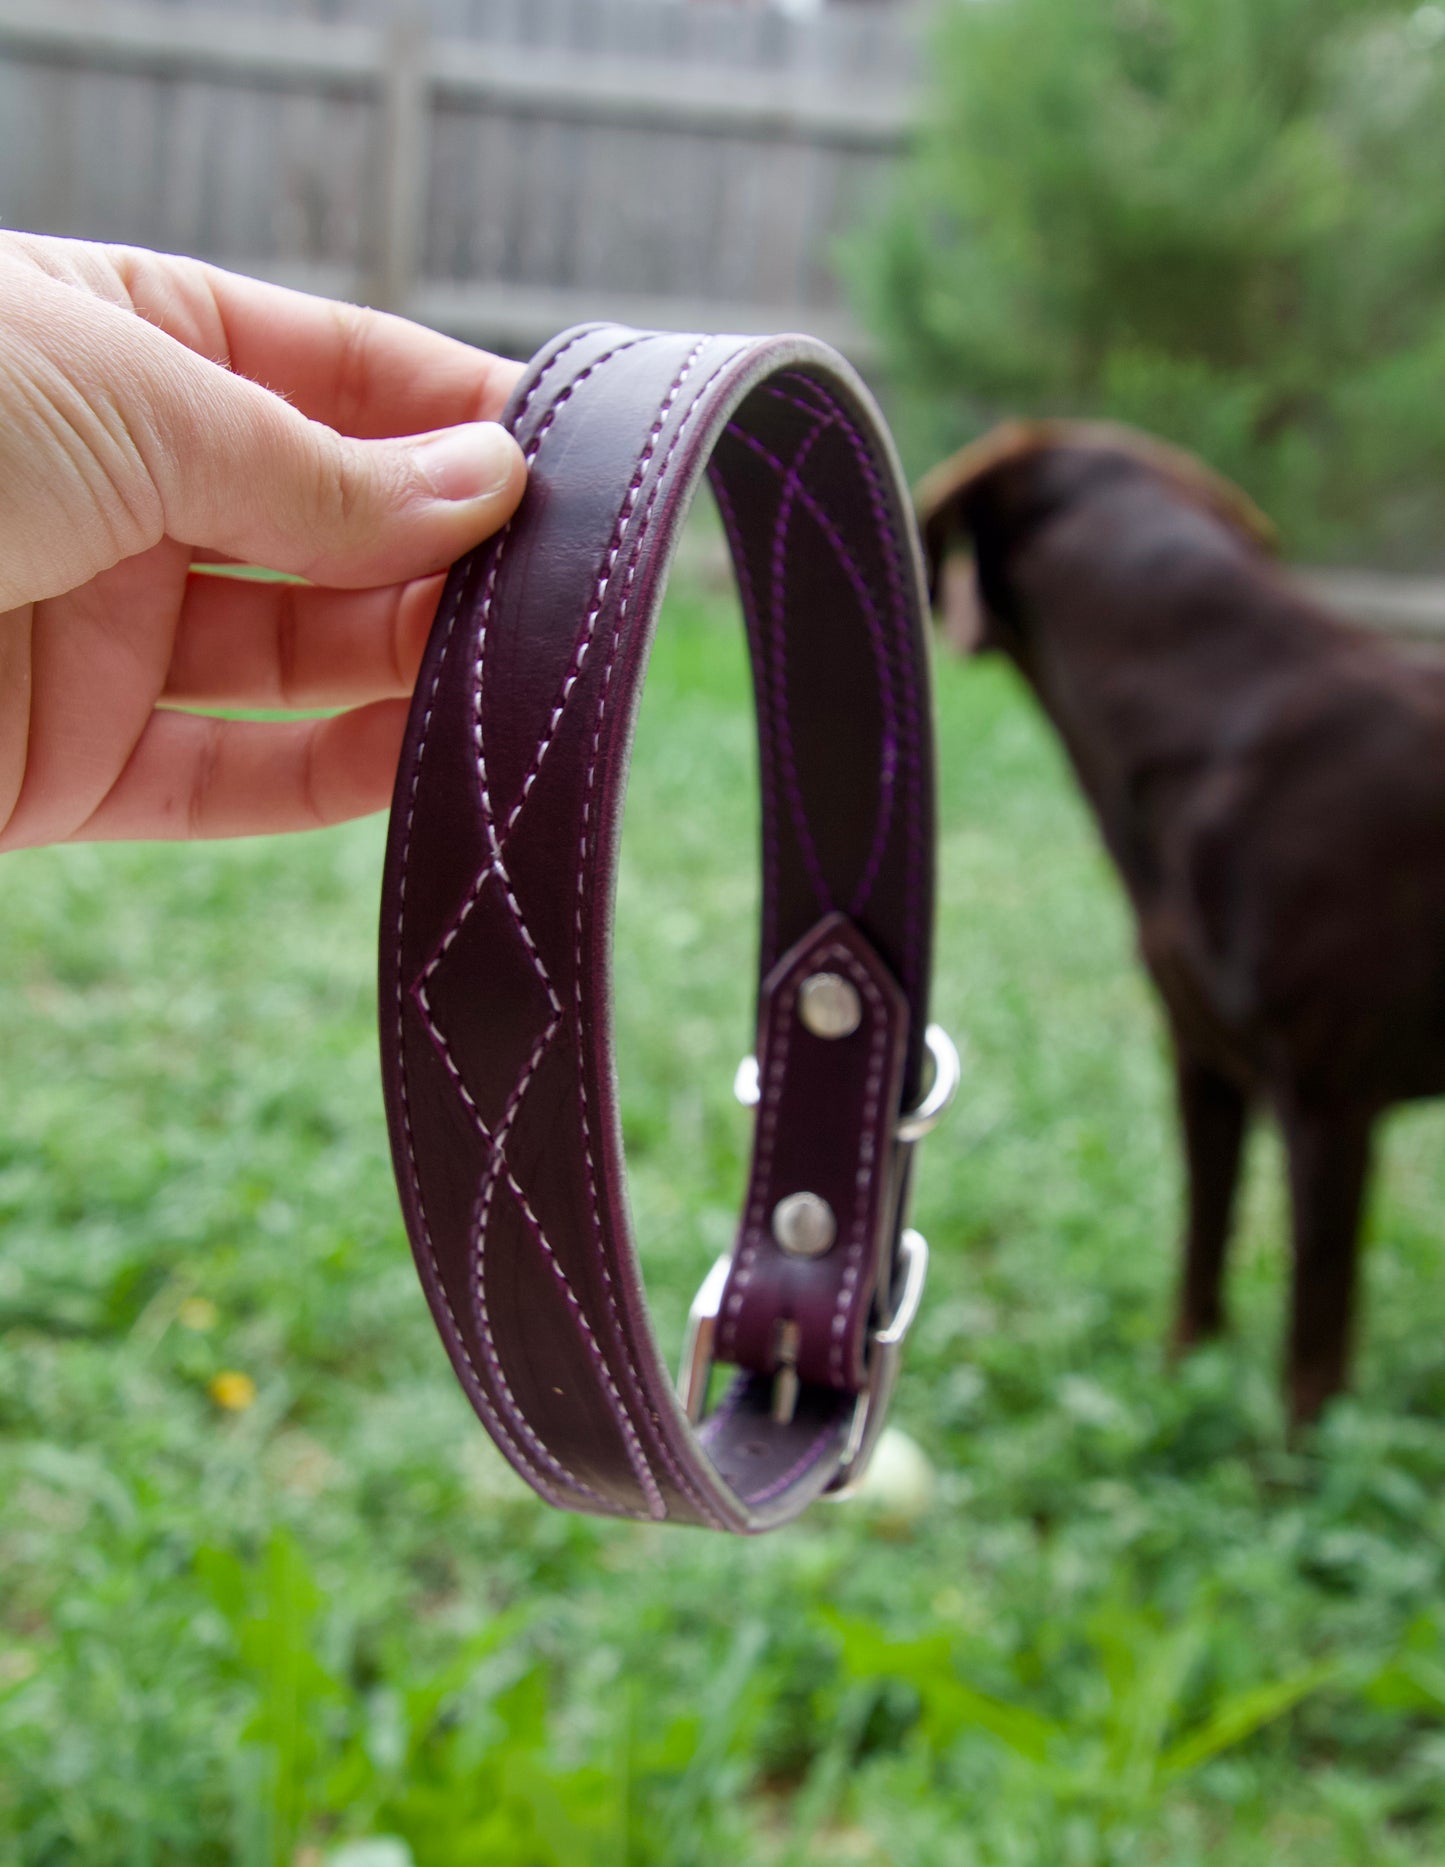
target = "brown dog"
x: 1271, y: 785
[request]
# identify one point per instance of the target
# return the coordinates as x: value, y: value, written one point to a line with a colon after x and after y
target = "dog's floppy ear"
x: 952, y: 506
x: 948, y: 498
x: 989, y: 494
x: 962, y: 615
x: 945, y: 497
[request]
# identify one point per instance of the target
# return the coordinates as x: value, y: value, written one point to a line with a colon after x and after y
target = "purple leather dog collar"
x: 496, y: 1021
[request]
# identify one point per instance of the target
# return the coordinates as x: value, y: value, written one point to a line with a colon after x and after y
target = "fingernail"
x: 467, y: 462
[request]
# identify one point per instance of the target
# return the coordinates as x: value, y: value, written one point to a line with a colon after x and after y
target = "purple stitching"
x: 861, y: 1179
x: 872, y: 621
x: 777, y: 608
x: 864, y: 456
x: 809, y: 408
x: 795, y: 1470
x: 767, y: 805
x: 724, y: 1411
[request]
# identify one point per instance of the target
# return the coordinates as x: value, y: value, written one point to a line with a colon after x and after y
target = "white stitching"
x: 862, y: 1179
x: 438, y: 1037
x: 489, y: 590
x: 477, y: 1392
x: 479, y: 1396
x: 604, y: 579
x: 636, y: 1456
x: 643, y: 1470
x: 599, y: 598
x: 781, y: 1020
x: 498, y: 1162
x: 680, y: 1477
x: 494, y: 1361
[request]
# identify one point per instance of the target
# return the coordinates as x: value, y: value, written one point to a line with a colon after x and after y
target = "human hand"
x: 156, y: 413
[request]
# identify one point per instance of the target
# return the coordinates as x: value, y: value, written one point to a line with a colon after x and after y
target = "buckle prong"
x: 785, y: 1382
x: 910, y: 1270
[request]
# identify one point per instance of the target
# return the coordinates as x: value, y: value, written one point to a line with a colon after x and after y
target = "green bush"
x: 1221, y: 220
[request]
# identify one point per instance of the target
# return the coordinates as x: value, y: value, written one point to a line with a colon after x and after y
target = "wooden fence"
x: 498, y: 168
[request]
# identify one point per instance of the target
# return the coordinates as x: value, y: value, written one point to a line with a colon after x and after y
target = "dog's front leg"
x: 1329, y: 1159
x: 1213, y: 1112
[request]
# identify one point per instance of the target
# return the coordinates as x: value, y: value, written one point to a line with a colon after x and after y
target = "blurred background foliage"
x: 1221, y: 220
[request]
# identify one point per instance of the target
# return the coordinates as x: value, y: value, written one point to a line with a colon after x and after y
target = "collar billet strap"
x: 496, y: 1019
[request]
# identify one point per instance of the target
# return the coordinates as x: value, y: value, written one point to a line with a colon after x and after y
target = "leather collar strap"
x: 496, y: 1021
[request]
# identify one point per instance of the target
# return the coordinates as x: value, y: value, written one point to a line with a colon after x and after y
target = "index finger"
x: 362, y: 372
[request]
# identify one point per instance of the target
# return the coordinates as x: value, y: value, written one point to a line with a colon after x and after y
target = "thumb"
x: 239, y: 470
x: 125, y: 435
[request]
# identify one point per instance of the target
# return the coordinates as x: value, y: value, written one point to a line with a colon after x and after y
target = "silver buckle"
x: 871, y: 1406
x: 910, y: 1266
x: 700, y: 1341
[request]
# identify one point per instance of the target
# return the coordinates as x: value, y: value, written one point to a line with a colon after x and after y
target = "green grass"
x: 1132, y: 1628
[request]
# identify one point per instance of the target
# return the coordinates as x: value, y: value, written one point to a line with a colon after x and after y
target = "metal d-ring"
x: 914, y: 1123
x: 947, y: 1070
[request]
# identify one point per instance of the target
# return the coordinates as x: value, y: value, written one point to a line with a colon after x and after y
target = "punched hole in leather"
x: 495, y: 960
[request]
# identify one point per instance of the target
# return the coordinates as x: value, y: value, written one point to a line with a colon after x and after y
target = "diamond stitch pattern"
x: 504, y: 1009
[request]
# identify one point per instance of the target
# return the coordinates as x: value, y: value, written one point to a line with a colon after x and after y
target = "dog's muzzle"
x: 496, y: 927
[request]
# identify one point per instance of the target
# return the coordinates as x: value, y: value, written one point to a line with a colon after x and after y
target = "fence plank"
x: 519, y: 317
x: 677, y: 96
x: 402, y: 223
x: 177, y: 42
x: 513, y: 161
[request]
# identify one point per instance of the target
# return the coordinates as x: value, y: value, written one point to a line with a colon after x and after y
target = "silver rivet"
x: 804, y: 1225
x: 829, y: 1005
